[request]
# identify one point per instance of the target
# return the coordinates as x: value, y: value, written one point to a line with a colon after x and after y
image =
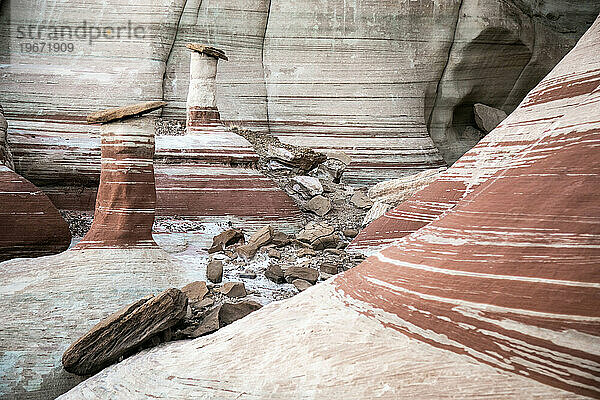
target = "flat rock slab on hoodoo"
x: 209, y: 51
x: 121, y: 332
x: 113, y: 114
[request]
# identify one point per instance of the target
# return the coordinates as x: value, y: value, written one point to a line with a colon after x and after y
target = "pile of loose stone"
x: 334, y: 214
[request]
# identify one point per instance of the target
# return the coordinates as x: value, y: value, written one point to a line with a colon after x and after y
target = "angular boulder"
x: 308, y: 274
x: 233, y: 289
x: 214, y: 271
x: 305, y: 186
x: 260, y: 238
x: 488, y: 118
x: 225, y: 239
x: 124, y: 330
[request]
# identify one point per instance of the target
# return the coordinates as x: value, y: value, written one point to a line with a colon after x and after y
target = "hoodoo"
x: 210, y: 172
x: 126, y: 200
x: 115, y: 264
x: 498, y: 297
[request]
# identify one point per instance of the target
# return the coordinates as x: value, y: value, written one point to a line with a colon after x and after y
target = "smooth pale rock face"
x: 572, y: 79
x: 500, y: 51
x: 54, y: 300
x: 510, y: 310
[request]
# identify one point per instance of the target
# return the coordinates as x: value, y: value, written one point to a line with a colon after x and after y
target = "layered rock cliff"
x: 373, y: 79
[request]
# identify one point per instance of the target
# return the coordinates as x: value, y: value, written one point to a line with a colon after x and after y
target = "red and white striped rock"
x: 30, y: 225
x: 126, y: 200
x: 49, y: 302
x: 563, y: 89
x: 499, y: 297
x: 211, y: 172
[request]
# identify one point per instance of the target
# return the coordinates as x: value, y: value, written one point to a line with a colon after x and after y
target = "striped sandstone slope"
x: 30, y: 226
x: 499, y: 298
x: 50, y: 301
x: 577, y: 75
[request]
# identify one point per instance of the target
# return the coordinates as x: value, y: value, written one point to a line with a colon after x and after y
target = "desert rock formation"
x: 509, y: 144
x: 512, y: 302
x: 373, y: 79
x: 30, y: 224
x: 60, y: 297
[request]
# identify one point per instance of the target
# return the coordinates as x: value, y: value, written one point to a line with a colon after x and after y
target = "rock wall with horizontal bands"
x: 563, y: 89
x: 499, y: 297
x: 358, y: 76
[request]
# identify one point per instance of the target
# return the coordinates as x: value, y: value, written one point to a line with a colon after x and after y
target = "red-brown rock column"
x: 126, y: 201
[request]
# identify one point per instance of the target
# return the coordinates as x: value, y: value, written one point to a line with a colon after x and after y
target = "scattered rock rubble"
x: 335, y: 213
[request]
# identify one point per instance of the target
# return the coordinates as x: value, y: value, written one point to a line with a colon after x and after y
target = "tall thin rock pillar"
x: 201, y: 101
x: 126, y: 201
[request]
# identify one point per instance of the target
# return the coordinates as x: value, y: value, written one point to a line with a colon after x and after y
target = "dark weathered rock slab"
x: 124, y: 330
x: 113, y: 114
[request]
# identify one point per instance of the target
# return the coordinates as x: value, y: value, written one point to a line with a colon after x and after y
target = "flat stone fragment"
x: 361, y: 200
x: 274, y: 253
x: 275, y: 273
x: 223, y: 315
x: 233, y: 289
x: 260, y: 238
x: 306, y: 253
x: 350, y: 233
x: 301, y: 284
x: 320, y: 205
x: 306, y: 187
x: 313, y: 231
x: 488, y: 118
x: 122, y: 331
x: 195, y: 291
x: 214, y: 271
x: 306, y: 273
x: 209, y: 51
x: 280, y: 239
x: 231, y: 312
x: 329, y: 268
x: 113, y: 114
x: 209, y: 324
x: 226, y: 238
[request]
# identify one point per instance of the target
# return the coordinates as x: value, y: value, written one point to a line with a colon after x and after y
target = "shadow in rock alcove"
x: 483, y: 70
